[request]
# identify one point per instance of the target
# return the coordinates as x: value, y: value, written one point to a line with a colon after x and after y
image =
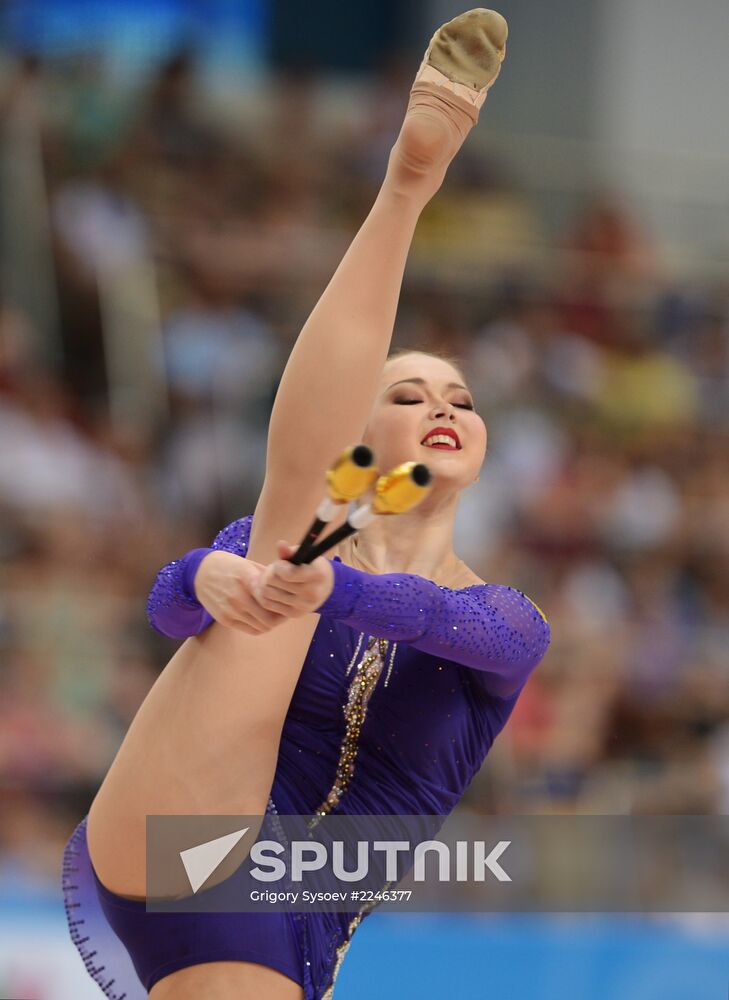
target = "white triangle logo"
x: 201, y: 861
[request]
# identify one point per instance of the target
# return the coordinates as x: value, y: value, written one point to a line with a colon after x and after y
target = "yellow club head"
x: 402, y: 488
x: 352, y: 474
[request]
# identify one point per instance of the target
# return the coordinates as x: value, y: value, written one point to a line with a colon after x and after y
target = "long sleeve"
x: 172, y: 607
x: 491, y: 628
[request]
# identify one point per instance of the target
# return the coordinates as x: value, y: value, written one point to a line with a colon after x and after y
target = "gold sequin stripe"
x: 363, y: 684
x: 341, y: 952
x: 342, y: 949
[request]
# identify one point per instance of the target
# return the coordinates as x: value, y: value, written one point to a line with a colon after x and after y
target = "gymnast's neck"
x: 419, y: 542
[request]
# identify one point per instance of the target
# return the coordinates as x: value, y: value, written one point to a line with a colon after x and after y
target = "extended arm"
x: 491, y: 628
x: 332, y: 376
x: 172, y: 607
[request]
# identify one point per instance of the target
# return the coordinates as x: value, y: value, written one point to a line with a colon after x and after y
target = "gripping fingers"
x: 282, y: 601
x: 251, y: 616
x: 266, y: 617
x: 254, y: 627
x: 293, y: 590
x: 283, y: 572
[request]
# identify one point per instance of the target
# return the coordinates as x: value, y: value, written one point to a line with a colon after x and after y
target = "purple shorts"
x: 126, y: 950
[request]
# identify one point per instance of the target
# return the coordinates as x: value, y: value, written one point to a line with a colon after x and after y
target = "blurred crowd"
x: 158, y: 260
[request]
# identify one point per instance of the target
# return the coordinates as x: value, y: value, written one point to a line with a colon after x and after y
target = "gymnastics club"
x: 351, y: 475
x: 395, y: 493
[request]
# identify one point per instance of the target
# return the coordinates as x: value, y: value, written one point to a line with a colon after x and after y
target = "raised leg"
x: 332, y: 374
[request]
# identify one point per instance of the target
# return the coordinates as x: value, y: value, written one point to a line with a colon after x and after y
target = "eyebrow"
x: 421, y: 381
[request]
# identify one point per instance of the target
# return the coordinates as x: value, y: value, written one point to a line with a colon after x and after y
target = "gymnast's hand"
x: 294, y: 591
x: 224, y: 586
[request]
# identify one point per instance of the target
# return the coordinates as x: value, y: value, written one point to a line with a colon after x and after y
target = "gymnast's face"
x: 419, y: 394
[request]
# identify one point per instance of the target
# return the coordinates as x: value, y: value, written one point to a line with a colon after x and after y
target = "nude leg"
x: 226, y: 981
x: 335, y: 365
x: 332, y: 375
x: 204, y: 742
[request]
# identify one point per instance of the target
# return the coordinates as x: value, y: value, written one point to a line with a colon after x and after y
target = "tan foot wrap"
x: 435, y: 100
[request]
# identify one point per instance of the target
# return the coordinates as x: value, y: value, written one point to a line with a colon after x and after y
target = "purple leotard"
x: 452, y: 665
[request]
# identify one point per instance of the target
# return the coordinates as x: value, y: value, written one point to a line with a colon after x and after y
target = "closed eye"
x: 412, y: 402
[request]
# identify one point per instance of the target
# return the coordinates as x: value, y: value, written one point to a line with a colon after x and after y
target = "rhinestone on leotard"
x: 361, y: 687
x: 342, y: 949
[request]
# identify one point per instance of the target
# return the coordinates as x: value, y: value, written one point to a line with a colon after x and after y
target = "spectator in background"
x: 604, y: 380
x: 172, y: 125
x: 221, y: 362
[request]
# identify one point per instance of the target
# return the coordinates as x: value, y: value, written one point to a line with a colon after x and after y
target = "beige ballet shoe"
x: 461, y: 64
x: 465, y: 54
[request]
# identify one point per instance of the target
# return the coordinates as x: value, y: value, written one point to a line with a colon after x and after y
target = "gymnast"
x: 373, y: 682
